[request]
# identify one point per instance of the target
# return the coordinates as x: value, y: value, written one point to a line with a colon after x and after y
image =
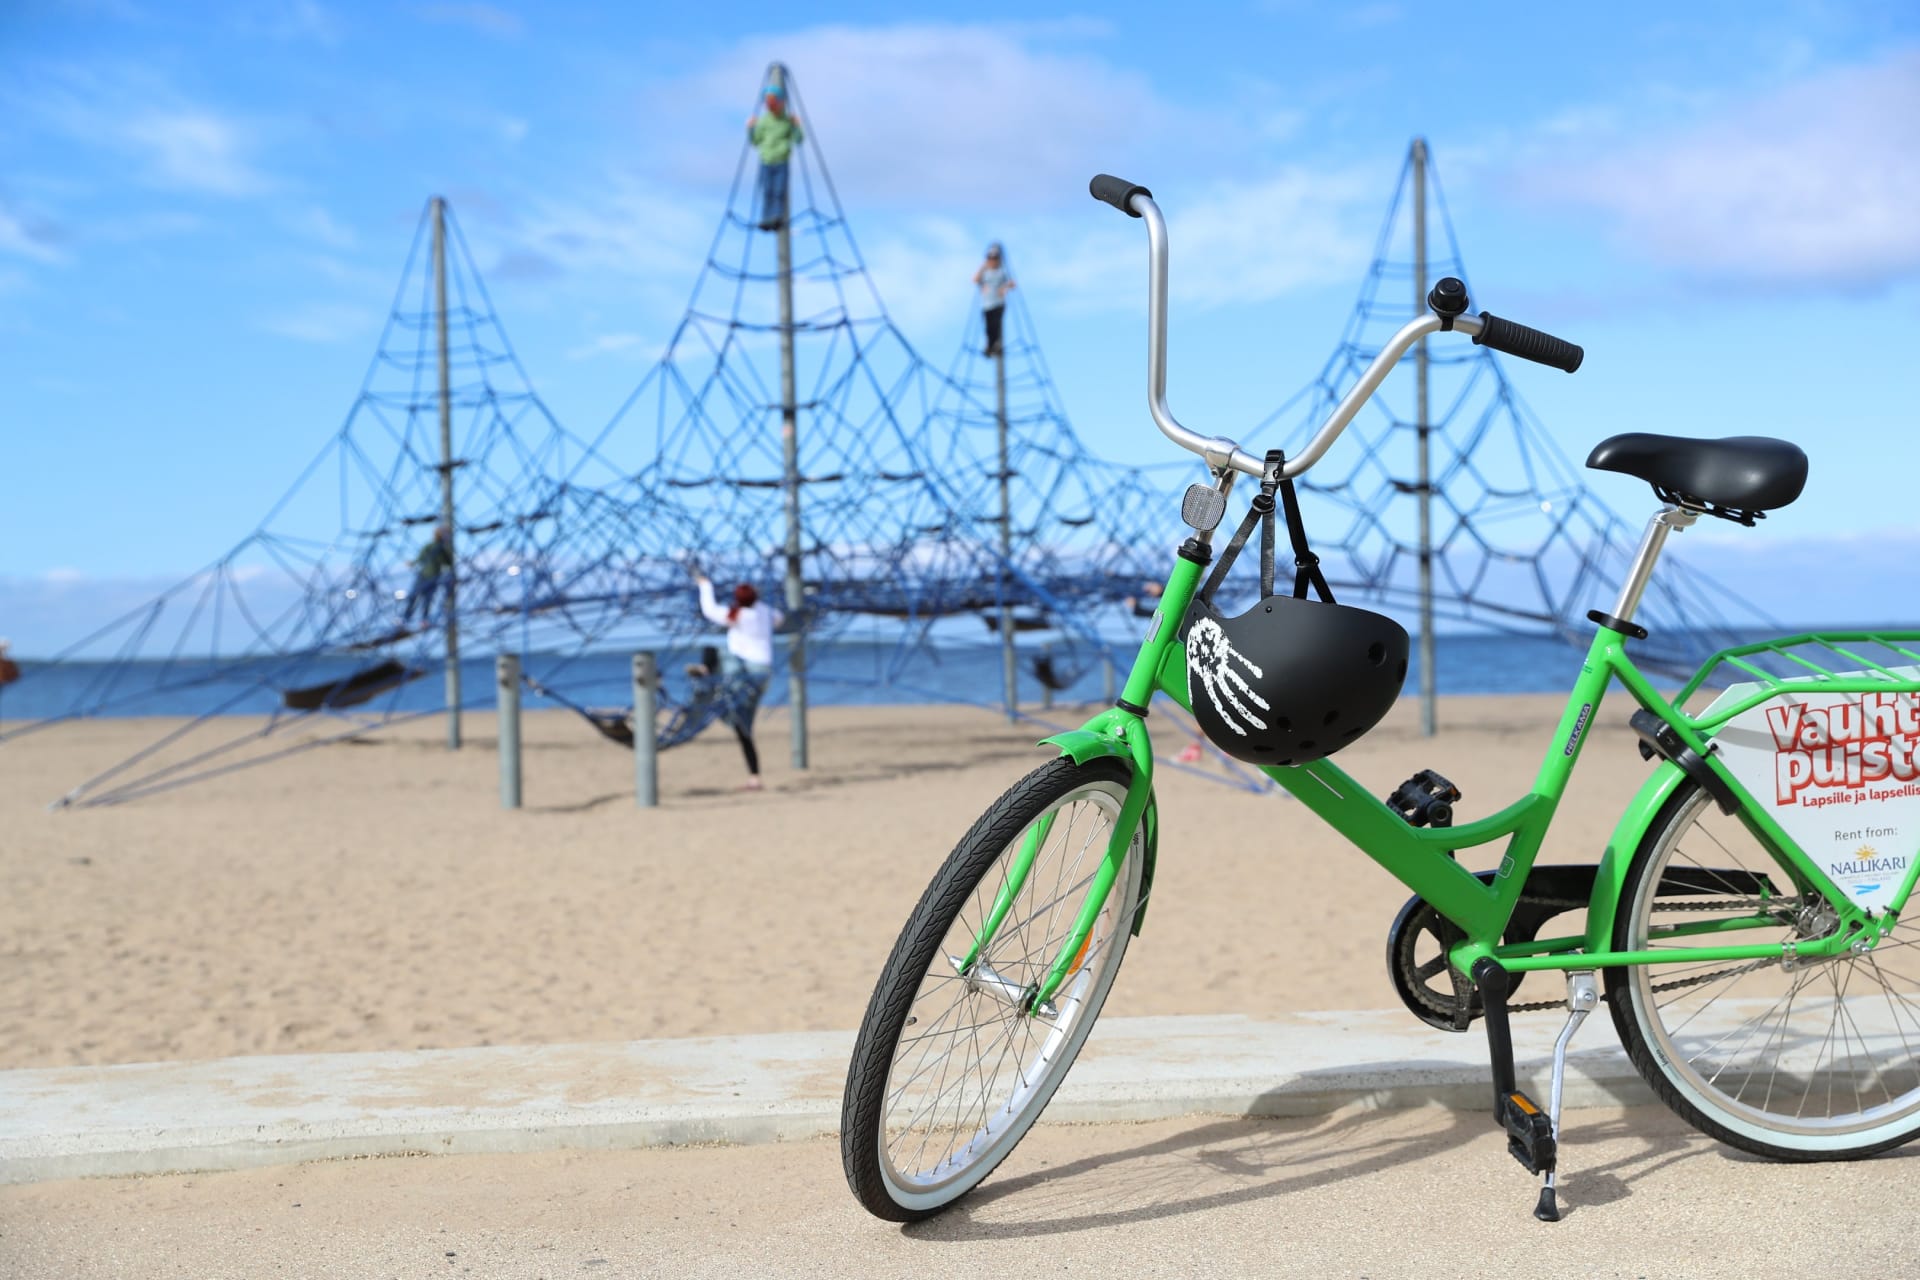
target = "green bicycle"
x: 1769, y: 996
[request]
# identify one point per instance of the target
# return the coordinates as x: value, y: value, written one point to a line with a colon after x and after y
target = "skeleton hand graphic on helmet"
x: 1216, y: 665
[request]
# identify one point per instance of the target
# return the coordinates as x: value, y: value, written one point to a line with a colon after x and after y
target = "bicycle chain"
x: 1726, y: 904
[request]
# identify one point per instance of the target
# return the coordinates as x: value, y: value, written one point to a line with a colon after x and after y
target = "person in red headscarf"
x: 750, y: 626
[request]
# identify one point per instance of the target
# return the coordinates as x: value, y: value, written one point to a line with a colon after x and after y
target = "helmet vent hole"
x: 1283, y: 724
x: 1307, y: 745
x: 1351, y: 732
x: 1376, y: 653
x: 1329, y: 718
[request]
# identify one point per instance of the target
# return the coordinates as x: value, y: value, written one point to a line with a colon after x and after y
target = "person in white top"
x: 750, y: 626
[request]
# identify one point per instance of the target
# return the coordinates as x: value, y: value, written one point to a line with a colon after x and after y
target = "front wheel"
x: 1816, y: 1062
x: 949, y: 1071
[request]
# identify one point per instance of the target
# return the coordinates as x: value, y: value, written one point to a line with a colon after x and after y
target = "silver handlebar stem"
x: 1221, y: 453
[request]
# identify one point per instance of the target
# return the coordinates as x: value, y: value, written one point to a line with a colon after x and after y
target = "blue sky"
x: 204, y: 209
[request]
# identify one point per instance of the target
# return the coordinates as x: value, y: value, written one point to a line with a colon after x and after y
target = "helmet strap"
x: 1306, y: 564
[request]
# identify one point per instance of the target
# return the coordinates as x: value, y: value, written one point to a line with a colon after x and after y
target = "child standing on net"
x: 775, y: 134
x: 749, y: 659
x: 994, y: 284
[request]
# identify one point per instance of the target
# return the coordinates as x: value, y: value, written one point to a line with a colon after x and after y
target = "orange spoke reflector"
x: 1080, y: 957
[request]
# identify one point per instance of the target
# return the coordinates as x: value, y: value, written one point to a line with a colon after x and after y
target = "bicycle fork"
x: 1533, y: 1137
x: 1036, y: 1000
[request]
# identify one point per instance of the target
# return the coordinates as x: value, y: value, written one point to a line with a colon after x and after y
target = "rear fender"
x: 1610, y: 877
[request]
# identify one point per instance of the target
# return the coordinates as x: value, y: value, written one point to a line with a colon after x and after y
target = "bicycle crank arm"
x: 984, y: 979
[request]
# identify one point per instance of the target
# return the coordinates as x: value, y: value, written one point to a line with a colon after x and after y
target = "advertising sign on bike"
x: 1840, y: 772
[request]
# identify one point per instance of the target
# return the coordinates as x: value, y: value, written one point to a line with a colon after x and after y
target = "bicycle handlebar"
x: 1529, y: 344
x: 1117, y: 192
x: 1223, y: 454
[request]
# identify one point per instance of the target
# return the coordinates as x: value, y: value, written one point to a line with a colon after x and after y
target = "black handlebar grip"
x: 1117, y: 192
x: 1528, y: 344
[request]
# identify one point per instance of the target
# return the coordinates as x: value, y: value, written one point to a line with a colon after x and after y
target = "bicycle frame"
x: 1420, y: 857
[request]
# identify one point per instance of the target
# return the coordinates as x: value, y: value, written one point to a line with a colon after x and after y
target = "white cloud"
x: 294, y: 20
x: 317, y: 223
x: 125, y: 108
x: 625, y: 229
x: 27, y: 236
x: 1813, y: 185
x: 195, y: 149
x: 963, y: 116
x: 324, y: 322
x: 1232, y: 243
x: 487, y: 19
x: 632, y: 347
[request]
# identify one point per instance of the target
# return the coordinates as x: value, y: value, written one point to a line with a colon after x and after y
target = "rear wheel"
x: 1817, y: 1062
x: 949, y: 1072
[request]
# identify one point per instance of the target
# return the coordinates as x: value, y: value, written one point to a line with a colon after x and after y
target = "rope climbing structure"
x: 322, y: 609
x: 1447, y: 498
x: 790, y: 436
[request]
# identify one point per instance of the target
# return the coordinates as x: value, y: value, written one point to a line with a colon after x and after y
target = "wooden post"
x: 506, y: 670
x: 446, y: 470
x: 646, y: 759
x: 790, y: 450
x: 1009, y: 666
x: 1424, y: 429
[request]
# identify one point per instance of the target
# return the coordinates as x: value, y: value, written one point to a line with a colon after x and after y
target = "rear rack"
x: 1822, y: 662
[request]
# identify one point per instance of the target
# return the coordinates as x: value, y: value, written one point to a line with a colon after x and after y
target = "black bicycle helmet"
x: 1291, y: 681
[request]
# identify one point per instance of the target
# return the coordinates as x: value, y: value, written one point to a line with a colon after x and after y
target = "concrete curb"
x: 247, y: 1112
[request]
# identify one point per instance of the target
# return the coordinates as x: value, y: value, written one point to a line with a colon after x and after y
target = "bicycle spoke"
x: 1794, y: 1053
x: 972, y: 1060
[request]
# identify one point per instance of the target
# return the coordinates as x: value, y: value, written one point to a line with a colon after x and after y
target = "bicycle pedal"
x: 1529, y: 1133
x: 1425, y: 800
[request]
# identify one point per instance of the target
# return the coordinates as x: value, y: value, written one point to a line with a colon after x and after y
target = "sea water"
x: 840, y: 673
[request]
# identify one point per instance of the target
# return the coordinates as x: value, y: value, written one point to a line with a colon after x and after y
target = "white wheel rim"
x: 982, y: 1116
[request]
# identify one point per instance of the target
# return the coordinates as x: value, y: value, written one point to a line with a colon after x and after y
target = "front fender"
x: 1611, y: 877
x: 1082, y: 745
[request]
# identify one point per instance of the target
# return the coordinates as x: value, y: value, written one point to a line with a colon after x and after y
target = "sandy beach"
x: 373, y: 895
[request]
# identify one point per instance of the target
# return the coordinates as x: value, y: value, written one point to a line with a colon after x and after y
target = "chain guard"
x: 1439, y: 994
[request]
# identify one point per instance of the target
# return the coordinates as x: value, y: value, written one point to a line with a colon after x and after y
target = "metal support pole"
x: 1106, y: 679
x: 1008, y: 664
x: 1428, y: 706
x: 646, y: 758
x: 790, y: 448
x: 452, y: 594
x: 506, y: 671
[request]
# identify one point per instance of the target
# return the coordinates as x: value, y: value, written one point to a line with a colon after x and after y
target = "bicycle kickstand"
x: 1583, y: 996
x: 1532, y: 1135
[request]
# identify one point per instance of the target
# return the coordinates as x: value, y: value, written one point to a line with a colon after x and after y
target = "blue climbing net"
x: 920, y: 516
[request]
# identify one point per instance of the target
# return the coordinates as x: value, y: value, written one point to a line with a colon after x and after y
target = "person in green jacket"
x: 775, y: 133
x: 430, y: 569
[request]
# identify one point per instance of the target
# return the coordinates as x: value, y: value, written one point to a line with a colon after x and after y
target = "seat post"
x: 1664, y: 521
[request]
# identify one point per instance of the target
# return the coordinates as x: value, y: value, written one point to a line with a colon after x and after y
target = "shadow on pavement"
x: 1267, y: 1159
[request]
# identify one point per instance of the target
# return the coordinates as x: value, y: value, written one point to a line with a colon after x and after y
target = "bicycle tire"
x: 1029, y: 1056
x: 1706, y: 1063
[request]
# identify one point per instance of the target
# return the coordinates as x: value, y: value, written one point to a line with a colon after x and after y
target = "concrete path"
x: 1360, y: 1193
x: 250, y: 1112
